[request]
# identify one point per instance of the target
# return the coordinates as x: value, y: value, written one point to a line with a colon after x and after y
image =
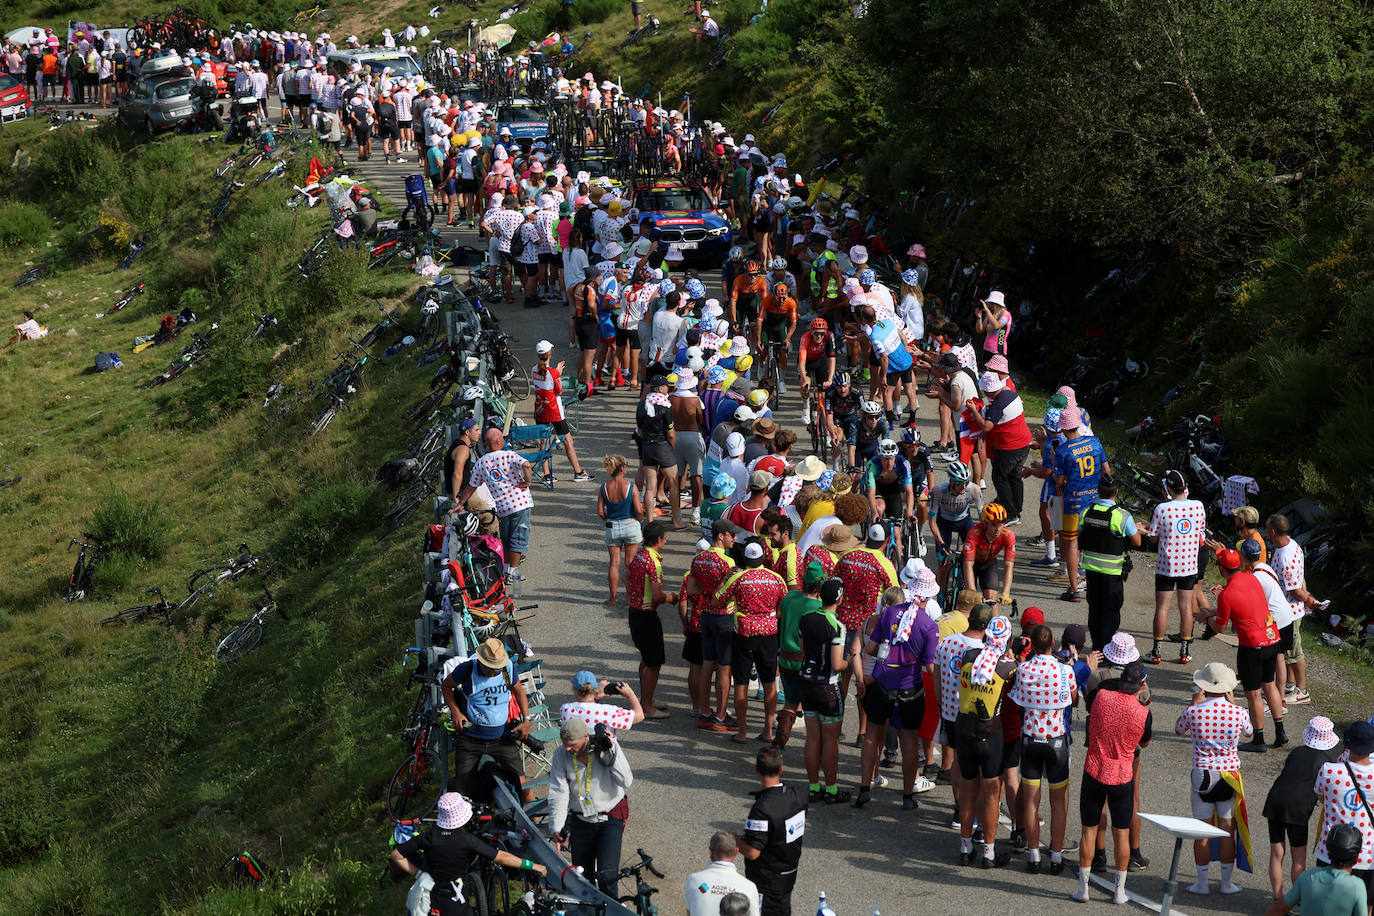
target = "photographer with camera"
x: 587, y: 801
x: 589, y: 709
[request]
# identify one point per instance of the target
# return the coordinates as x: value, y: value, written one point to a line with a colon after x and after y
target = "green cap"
x: 813, y: 575
x: 1057, y: 401
x: 979, y: 616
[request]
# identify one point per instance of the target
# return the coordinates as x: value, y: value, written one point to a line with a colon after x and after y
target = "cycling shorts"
x: 774, y: 328
x: 1047, y: 758
x: 1119, y: 799
x: 822, y: 701
x: 988, y: 574
x: 948, y: 527
x: 978, y: 756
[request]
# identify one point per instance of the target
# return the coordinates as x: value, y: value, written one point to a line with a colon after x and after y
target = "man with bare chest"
x: 690, y: 446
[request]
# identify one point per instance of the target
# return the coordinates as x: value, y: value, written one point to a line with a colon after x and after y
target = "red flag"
x: 316, y: 170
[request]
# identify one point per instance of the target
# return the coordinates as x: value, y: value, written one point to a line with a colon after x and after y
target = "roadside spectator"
x: 478, y: 695
x: 756, y: 592
x: 1003, y: 421
x: 588, y: 706
x: 507, y: 476
x: 1290, y: 563
x: 1178, y: 526
x: 1330, y: 889
x: 619, y: 505
x: 1341, y: 805
x: 1292, y: 797
x: 29, y: 329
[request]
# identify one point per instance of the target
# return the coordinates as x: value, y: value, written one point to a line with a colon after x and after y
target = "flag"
x: 316, y: 170
x: 1244, y: 851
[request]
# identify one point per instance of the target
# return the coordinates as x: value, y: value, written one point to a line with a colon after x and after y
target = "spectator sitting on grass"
x: 29, y: 329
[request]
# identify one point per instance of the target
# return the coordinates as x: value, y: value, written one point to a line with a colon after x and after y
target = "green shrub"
x: 22, y: 224
x: 336, y: 284
x: 81, y: 168
x: 326, y: 520
x: 6, y: 620
x: 116, y: 572
x: 136, y: 528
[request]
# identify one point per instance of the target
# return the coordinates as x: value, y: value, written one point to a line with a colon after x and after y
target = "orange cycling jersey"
x: 786, y: 306
x: 978, y: 549
x: 747, y: 285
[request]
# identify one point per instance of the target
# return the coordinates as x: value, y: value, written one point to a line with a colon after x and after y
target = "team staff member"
x: 588, y: 806
x: 478, y: 693
x: 1104, y: 530
x: 983, y: 674
x: 773, y: 835
x: 1044, y: 688
x: 756, y: 592
x: 706, y: 889
x: 450, y: 852
x: 644, y: 586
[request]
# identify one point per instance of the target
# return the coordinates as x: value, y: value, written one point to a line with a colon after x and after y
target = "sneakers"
x: 922, y: 784
x: 1057, y: 868
x: 1035, y: 541
x: 999, y: 858
x: 909, y: 803
x: 889, y: 761
x: 583, y: 476
x: 864, y: 797
x: 1137, y: 862
x: 838, y: 798
x: 1175, y: 637
x: 1099, y: 866
x: 942, y: 777
x: 1013, y: 522
x: 1254, y: 747
x: 1300, y: 697
x: 954, y: 823
x: 1059, y: 577
x: 816, y: 795
x: 1047, y: 563
x: 931, y: 773
x: 880, y: 780
x: 1033, y: 866
x: 1154, y: 659
x: 1071, y: 596
x: 1018, y: 839
x: 965, y: 858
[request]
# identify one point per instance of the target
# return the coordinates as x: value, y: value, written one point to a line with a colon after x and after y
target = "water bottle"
x: 824, y: 908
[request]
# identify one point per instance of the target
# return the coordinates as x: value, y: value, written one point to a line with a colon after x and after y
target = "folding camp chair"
x: 535, y: 443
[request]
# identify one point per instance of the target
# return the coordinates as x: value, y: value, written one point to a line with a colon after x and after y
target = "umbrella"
x: 498, y: 35
x: 25, y: 35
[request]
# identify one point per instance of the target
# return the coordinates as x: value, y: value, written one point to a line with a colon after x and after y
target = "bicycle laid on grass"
x: 79, y: 583
x: 245, y: 637
x: 206, y: 582
x: 162, y: 608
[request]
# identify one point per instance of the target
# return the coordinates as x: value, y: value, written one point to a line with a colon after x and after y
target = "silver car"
x: 158, y: 104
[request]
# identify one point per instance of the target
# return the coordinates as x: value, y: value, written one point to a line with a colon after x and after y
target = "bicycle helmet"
x: 737, y: 253
x: 473, y: 393
x: 1343, y: 845
x: 777, y: 264
x: 781, y: 291
x: 841, y: 377
x: 887, y: 449
x: 959, y: 473
x: 757, y: 398
x: 820, y: 324
x: 872, y: 409
x: 752, y: 267
x: 993, y: 512
x: 911, y: 436
x: 468, y: 524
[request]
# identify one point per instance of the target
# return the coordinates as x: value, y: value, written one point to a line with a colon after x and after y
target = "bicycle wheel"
x: 772, y: 380
x: 242, y: 639
x: 131, y: 615
x: 498, y: 892
x: 325, y: 16
x: 477, y: 891
x: 517, y: 381
x: 415, y: 787
x: 74, y: 591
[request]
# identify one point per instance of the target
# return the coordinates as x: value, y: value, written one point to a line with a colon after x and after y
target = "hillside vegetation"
x: 133, y: 763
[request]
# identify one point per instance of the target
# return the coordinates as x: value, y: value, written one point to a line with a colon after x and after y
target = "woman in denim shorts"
x: 618, y: 503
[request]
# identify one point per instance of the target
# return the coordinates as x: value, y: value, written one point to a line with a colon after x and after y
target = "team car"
x: 526, y: 119
x: 685, y: 216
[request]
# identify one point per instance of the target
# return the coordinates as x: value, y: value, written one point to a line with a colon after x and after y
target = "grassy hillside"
x: 134, y: 764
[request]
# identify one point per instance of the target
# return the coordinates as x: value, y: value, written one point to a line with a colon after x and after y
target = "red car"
x: 14, y: 99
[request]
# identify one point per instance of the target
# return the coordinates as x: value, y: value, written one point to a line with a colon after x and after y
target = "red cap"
x: 1228, y: 559
x: 1032, y: 617
x: 773, y: 464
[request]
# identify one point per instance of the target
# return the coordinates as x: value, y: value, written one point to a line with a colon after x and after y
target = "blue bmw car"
x: 686, y: 218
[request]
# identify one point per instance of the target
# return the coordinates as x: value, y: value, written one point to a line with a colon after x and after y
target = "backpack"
x: 104, y: 361
x: 582, y: 222
x: 517, y: 242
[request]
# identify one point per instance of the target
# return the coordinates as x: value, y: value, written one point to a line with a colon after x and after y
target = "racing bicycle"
x: 951, y: 569
x: 641, y: 901
x: 79, y: 583
x: 770, y: 376
x: 129, y: 295
x: 161, y: 608
x: 817, y: 424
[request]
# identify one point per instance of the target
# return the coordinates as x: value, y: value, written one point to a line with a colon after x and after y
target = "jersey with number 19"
x: 1079, y: 461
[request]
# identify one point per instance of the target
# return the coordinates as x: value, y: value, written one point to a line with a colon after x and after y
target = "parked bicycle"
x: 87, y: 559
x: 162, y: 609
x: 129, y: 295
x: 245, y: 637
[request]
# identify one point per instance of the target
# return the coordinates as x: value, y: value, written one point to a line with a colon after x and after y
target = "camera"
x: 614, y: 689
x: 600, y: 741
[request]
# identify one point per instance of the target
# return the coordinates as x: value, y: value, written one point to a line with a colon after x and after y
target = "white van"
x: 376, y: 60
